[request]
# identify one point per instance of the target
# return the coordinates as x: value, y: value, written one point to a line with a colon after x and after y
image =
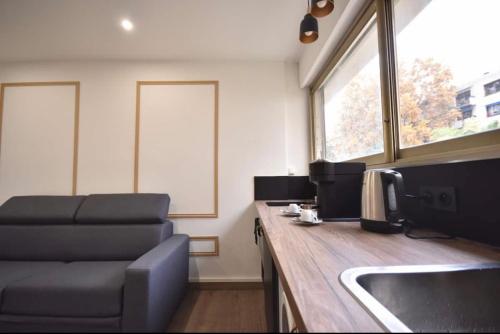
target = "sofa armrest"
x: 155, y: 285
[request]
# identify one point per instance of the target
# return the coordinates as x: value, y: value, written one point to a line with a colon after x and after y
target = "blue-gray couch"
x: 90, y: 263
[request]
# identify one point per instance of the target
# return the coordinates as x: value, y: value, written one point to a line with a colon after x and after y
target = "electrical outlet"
x: 438, y: 198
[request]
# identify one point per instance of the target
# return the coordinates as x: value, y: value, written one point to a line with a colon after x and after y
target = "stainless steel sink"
x: 444, y: 298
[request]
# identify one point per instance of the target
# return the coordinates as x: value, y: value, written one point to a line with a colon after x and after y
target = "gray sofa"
x: 90, y: 263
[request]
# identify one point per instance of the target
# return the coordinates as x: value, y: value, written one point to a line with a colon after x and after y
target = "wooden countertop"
x: 310, y: 259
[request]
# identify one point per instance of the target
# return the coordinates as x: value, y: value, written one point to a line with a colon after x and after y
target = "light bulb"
x: 127, y: 25
x: 321, y: 3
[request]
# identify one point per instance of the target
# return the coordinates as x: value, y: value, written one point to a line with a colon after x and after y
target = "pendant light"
x: 320, y: 8
x: 308, y: 29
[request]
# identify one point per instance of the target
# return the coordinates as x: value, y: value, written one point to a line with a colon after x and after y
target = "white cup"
x: 293, y: 208
x: 310, y: 216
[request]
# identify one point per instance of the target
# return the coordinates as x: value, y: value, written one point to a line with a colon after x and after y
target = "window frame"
x: 354, y: 32
x: 472, y: 147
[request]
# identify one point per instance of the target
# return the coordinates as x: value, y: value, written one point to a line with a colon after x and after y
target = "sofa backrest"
x: 123, y: 209
x: 82, y: 228
x: 40, y: 210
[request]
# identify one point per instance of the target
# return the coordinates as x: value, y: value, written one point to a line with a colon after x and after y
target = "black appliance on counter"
x: 338, y: 187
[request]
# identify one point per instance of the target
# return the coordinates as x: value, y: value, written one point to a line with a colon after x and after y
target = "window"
x: 463, y: 99
x: 492, y: 87
x: 463, y: 103
x: 437, y: 56
x: 467, y: 111
x: 493, y: 109
x: 410, y: 81
x: 352, y: 105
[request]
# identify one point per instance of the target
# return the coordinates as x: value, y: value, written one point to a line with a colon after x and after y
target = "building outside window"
x: 434, y: 71
x: 475, y: 102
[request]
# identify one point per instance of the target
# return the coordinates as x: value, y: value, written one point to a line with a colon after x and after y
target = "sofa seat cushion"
x: 35, y: 324
x: 76, y: 289
x: 13, y: 271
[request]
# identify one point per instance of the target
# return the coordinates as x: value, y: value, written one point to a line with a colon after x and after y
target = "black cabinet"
x: 270, y: 280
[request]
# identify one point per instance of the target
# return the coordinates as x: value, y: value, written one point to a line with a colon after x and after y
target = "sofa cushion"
x: 34, y: 243
x: 35, y: 324
x: 76, y: 289
x: 124, y: 209
x: 80, y: 242
x: 40, y: 210
x: 12, y: 271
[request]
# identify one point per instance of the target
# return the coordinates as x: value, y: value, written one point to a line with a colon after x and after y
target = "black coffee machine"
x: 338, y: 187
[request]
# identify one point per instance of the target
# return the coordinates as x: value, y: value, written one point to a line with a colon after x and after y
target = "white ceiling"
x: 164, y: 29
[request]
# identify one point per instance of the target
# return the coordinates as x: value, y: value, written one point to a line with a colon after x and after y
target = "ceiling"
x: 164, y: 29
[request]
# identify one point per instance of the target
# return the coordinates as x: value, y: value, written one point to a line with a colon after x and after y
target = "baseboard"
x: 224, y: 279
x: 226, y: 285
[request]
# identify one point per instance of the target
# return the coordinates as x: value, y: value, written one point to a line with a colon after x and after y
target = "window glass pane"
x: 449, y: 69
x: 352, y: 103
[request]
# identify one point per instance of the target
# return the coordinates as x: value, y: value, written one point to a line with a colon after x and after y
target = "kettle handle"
x: 395, y: 178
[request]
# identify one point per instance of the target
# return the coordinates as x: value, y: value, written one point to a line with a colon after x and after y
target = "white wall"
x: 263, y: 129
x: 297, y: 123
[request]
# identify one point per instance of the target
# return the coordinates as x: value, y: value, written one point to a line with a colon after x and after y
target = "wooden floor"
x: 220, y: 311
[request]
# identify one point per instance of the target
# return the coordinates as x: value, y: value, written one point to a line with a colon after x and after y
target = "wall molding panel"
x: 213, y: 239
x: 60, y: 138
x: 176, y: 144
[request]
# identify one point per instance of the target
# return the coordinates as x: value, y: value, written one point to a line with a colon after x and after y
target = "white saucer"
x: 289, y: 213
x: 303, y: 222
